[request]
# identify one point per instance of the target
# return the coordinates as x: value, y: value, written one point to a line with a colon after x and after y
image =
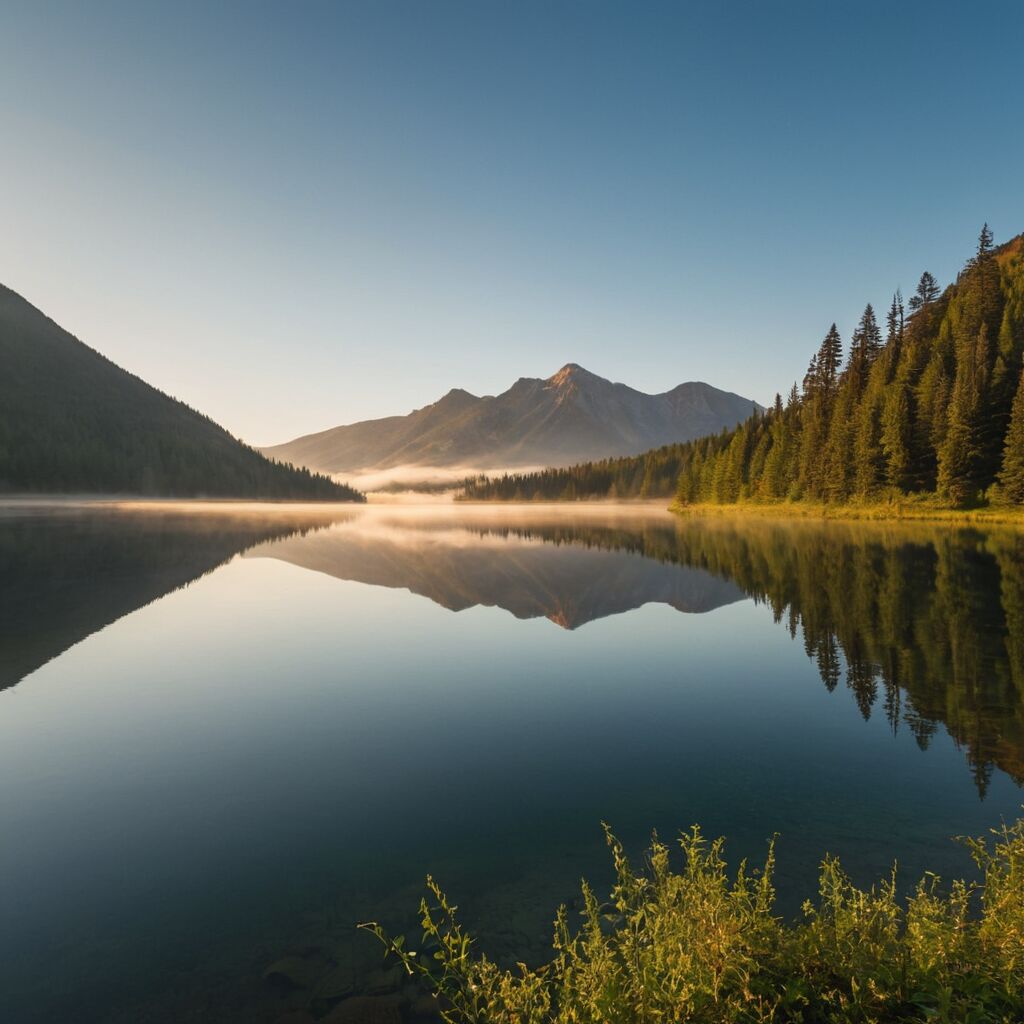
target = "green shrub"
x: 701, y: 945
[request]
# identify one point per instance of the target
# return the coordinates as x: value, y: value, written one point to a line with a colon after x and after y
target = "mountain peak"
x: 571, y: 373
x: 572, y: 416
x: 457, y: 395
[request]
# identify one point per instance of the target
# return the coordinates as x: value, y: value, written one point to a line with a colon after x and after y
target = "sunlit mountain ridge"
x: 568, y: 417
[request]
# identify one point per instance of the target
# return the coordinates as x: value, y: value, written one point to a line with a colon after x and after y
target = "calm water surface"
x: 227, y: 735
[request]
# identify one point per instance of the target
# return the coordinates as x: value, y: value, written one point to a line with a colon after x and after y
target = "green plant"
x: 700, y: 945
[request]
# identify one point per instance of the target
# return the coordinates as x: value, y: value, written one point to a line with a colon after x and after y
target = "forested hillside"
x: 72, y: 421
x: 933, y: 407
x: 653, y: 474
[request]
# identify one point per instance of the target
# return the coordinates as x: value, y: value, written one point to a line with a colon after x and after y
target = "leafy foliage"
x: 698, y: 944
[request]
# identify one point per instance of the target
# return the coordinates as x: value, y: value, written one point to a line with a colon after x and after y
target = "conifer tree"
x: 960, y: 451
x: 938, y: 423
x: 896, y: 435
x: 867, y: 448
x: 838, y: 469
x: 985, y: 239
x: 829, y: 359
x: 1007, y: 355
x: 927, y: 292
x: 813, y: 437
x: 894, y: 338
x: 1011, y: 478
x: 978, y: 300
x: 864, y: 349
x: 812, y: 378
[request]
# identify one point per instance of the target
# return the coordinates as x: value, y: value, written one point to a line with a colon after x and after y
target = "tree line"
x: 932, y: 405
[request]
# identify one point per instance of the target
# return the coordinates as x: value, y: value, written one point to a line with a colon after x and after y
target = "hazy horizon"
x: 294, y: 218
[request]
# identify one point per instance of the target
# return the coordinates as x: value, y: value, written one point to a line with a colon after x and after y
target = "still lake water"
x: 227, y: 735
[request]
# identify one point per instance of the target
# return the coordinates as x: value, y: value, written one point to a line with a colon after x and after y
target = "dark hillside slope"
x: 72, y: 421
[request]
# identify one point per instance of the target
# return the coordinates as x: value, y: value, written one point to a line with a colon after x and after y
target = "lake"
x: 228, y: 733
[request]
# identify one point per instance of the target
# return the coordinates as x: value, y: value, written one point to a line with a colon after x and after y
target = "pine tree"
x: 812, y: 378
x: 984, y: 249
x: 837, y: 469
x: 896, y: 436
x: 864, y: 349
x: 979, y: 298
x: 773, y: 480
x: 927, y: 292
x: 867, y: 448
x: 813, y: 437
x: 830, y: 358
x: 1011, y: 478
x: 894, y: 337
x: 1007, y: 360
x: 960, y: 452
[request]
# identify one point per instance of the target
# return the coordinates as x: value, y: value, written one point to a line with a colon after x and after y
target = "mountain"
x: 572, y: 416
x: 72, y: 421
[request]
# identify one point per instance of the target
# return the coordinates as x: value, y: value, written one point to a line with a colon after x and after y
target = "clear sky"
x: 294, y: 215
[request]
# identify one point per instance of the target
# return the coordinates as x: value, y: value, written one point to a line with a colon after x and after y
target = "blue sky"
x: 294, y: 215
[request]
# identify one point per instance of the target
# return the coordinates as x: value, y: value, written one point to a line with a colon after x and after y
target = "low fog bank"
x: 420, y: 483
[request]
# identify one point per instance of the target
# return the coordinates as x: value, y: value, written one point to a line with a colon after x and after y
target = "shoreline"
x: 43, y: 502
x: 889, y: 512
x: 908, y: 511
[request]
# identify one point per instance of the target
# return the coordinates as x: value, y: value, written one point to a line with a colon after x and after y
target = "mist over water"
x: 229, y: 733
x: 418, y: 481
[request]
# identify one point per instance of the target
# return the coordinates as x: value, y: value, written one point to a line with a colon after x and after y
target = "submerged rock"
x: 338, y: 982
x: 295, y: 972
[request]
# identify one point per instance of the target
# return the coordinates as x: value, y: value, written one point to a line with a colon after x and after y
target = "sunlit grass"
x: 923, y: 507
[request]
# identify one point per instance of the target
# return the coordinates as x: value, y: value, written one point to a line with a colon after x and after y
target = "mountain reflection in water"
x: 924, y: 624
x: 571, y: 582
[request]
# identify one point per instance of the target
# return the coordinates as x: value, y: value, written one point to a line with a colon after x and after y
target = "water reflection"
x: 554, y: 570
x: 68, y: 571
x: 923, y: 624
x: 241, y: 770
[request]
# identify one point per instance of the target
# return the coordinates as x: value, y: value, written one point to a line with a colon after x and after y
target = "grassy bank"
x: 925, y: 509
x: 700, y: 944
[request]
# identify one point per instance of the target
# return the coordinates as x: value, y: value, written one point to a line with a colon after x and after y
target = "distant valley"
x: 569, y: 417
